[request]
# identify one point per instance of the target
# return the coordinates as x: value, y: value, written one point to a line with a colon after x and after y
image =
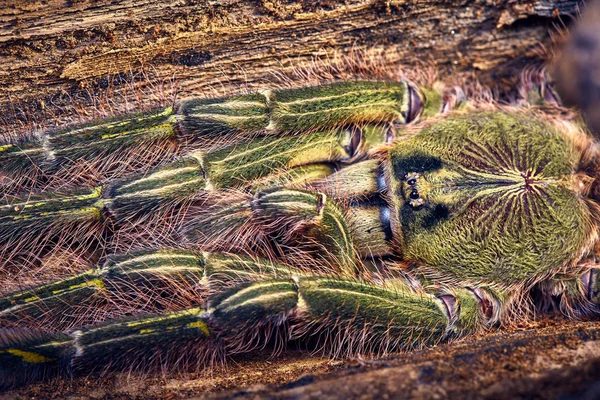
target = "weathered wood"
x: 553, y: 362
x: 55, y: 53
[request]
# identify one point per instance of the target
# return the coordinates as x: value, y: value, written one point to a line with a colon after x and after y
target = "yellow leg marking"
x: 200, y: 325
x: 28, y: 356
x: 94, y: 282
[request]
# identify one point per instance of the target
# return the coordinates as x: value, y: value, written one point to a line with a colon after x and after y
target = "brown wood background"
x: 56, y: 54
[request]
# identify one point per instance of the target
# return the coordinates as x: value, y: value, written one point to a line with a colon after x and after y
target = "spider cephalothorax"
x: 367, y: 216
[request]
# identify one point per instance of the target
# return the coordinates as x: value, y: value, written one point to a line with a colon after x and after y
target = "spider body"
x: 365, y: 216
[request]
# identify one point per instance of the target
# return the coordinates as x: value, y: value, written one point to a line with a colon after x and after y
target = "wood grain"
x: 55, y: 52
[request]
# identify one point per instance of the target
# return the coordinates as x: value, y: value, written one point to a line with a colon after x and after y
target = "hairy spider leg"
x: 345, y: 316
x: 109, y: 148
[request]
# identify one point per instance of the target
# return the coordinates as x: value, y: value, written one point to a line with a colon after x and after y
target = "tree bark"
x: 552, y: 362
x: 54, y: 53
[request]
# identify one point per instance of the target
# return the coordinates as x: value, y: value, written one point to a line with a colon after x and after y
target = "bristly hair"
x: 99, y: 166
x: 22, y: 127
x: 18, y: 367
x: 225, y: 221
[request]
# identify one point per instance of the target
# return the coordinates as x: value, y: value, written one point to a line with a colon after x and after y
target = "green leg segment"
x: 133, y: 142
x: 290, y: 220
x: 29, y: 356
x: 115, y: 145
x: 310, y: 219
x: 346, y: 316
x: 355, y: 182
x: 149, y: 341
x: 143, y: 281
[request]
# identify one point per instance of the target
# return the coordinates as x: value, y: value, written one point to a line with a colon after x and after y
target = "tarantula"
x: 359, y: 217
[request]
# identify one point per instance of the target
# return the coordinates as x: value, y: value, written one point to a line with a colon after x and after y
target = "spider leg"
x: 76, y: 218
x: 106, y: 147
x: 279, y: 221
x: 345, y: 316
x: 241, y: 166
x: 575, y: 295
x: 110, y: 147
x: 141, y: 281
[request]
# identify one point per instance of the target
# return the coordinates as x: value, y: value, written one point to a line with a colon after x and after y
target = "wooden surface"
x: 557, y: 361
x: 58, y: 53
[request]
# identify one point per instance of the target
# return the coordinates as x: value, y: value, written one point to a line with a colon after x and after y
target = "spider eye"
x: 415, y: 104
x: 414, y: 195
x: 411, y: 181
